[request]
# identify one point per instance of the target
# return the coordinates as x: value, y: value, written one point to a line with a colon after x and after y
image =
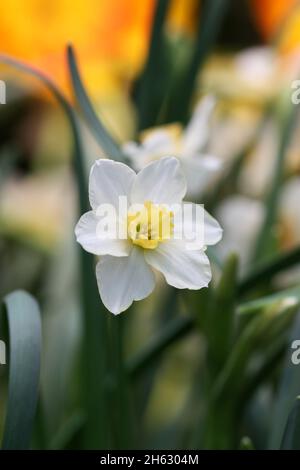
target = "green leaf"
x: 265, y: 369
x: 105, y: 140
x: 261, y: 330
x: 71, y: 427
x: 267, y: 270
x: 119, y: 397
x: 173, y: 332
x: 221, y: 314
x: 24, y: 325
x: 209, y: 26
x: 291, y: 438
x: 255, y: 306
x: 289, y: 388
x: 152, y: 86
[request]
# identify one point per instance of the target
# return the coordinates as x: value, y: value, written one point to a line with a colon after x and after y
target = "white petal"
x: 200, y: 171
x: 159, y: 143
x: 212, y: 230
x: 123, y: 280
x: 195, y: 226
x: 108, y: 181
x: 196, y: 133
x: 182, y: 268
x: 94, y: 242
x: 160, y: 182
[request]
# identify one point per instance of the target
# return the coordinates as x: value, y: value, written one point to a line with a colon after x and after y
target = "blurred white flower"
x: 187, y: 145
x: 124, y: 272
x: 241, y: 218
x: 257, y: 67
x: 253, y: 76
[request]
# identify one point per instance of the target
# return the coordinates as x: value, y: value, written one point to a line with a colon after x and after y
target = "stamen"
x: 150, y: 226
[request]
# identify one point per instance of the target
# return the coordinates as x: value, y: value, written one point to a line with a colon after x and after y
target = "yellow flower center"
x: 150, y: 225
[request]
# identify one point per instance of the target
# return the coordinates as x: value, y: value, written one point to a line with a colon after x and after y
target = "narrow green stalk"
x: 119, y: 391
x: 221, y: 316
x: 94, y: 359
x: 220, y: 425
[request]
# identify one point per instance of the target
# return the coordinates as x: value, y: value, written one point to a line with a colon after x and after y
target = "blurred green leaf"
x: 152, y: 86
x: 221, y: 314
x: 289, y: 388
x: 68, y: 431
x: 264, y: 272
x: 266, y: 367
x: 105, y: 140
x: 258, y: 333
x: 226, y: 394
x: 291, y: 438
x: 255, y: 306
x: 209, y: 25
x: 24, y: 325
x: 119, y: 396
x: 158, y: 344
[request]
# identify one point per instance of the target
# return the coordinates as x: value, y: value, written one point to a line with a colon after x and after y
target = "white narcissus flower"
x: 188, y: 145
x: 125, y: 269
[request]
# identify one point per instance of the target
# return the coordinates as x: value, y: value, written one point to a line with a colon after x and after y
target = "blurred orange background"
x: 110, y: 36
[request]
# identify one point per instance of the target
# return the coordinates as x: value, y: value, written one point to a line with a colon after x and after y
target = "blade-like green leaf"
x: 153, y: 83
x: 24, y: 325
x: 267, y: 270
x: 105, y: 140
x: 209, y: 25
x: 255, y: 306
x: 174, y: 331
x: 289, y: 388
x: 291, y: 438
x: 221, y: 314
